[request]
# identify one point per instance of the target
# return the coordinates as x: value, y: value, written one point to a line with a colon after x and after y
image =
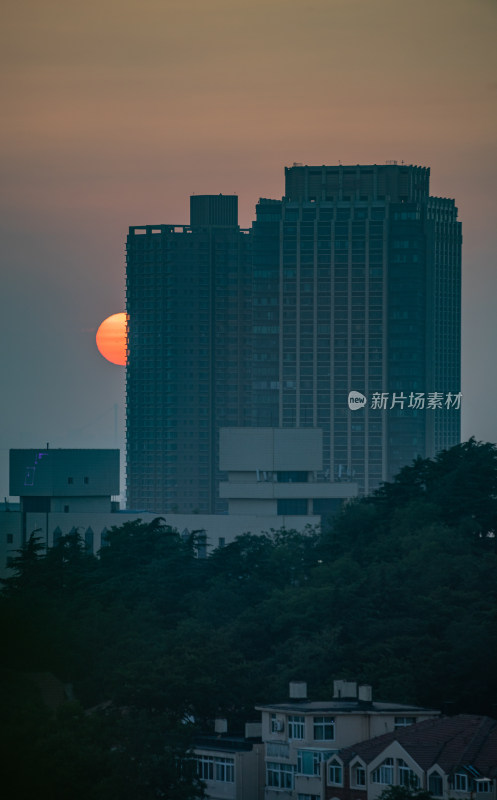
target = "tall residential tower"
x: 356, y: 287
x: 188, y: 301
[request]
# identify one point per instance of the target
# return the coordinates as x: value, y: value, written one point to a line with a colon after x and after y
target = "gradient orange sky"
x: 114, y: 112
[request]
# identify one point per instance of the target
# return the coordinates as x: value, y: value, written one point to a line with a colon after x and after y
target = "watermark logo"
x: 386, y: 401
x: 356, y: 400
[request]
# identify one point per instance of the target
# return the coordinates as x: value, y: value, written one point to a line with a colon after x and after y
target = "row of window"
x: 215, y: 768
x: 397, y: 772
x: 281, y: 776
x: 390, y: 772
x: 323, y: 727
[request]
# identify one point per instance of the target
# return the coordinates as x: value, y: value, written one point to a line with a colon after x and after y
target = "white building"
x: 300, y: 736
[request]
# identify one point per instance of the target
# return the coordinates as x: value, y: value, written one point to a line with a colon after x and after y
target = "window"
x: 384, y: 773
x: 406, y: 775
x: 309, y: 761
x: 86, y: 479
x: 460, y: 782
x: 279, y: 776
x: 277, y: 750
x: 70, y: 480
x: 66, y: 509
x: 335, y: 773
x: 324, y: 728
x: 224, y: 769
x: 296, y: 727
x: 205, y: 767
x: 358, y: 777
x: 215, y: 768
x: 435, y: 784
x: 403, y: 722
x: 277, y: 724
x: 308, y: 797
x: 483, y: 785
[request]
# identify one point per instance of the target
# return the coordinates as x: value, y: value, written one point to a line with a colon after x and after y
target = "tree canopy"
x: 397, y: 591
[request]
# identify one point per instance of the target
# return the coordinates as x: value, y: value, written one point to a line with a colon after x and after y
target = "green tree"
x: 404, y: 793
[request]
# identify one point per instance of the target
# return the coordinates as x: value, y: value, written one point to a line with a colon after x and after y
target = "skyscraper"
x: 188, y: 301
x: 356, y: 287
x: 350, y: 283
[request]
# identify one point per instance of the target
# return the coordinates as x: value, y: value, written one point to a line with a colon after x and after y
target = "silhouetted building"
x: 350, y: 283
x: 61, y: 491
x: 356, y: 287
x: 188, y: 295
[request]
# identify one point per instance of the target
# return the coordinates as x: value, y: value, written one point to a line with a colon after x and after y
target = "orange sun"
x: 111, y: 338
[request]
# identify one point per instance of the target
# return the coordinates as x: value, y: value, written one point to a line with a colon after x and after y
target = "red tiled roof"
x: 450, y: 742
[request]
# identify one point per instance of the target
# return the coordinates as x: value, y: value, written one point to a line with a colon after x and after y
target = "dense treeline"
x: 398, y: 591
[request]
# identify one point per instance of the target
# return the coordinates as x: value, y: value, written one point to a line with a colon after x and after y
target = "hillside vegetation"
x: 398, y: 591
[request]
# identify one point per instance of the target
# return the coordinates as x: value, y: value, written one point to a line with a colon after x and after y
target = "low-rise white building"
x: 302, y: 735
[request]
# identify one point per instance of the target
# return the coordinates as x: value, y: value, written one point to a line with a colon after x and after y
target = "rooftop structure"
x: 274, y: 471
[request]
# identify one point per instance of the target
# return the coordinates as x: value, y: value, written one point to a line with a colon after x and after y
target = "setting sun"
x: 111, y: 338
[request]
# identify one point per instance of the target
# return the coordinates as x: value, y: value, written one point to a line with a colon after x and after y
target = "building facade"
x: 356, y: 287
x: 302, y: 736
x: 275, y: 471
x: 189, y: 353
x: 449, y: 757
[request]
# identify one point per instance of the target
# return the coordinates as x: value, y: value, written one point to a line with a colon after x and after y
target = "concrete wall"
x: 280, y: 449
x: 64, y: 472
x: 86, y: 505
x: 269, y: 489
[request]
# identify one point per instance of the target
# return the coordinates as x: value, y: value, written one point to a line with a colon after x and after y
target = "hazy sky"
x: 114, y: 112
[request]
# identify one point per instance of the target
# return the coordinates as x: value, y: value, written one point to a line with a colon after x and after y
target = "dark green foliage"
x: 399, y: 592
x: 107, y: 754
x: 404, y: 793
